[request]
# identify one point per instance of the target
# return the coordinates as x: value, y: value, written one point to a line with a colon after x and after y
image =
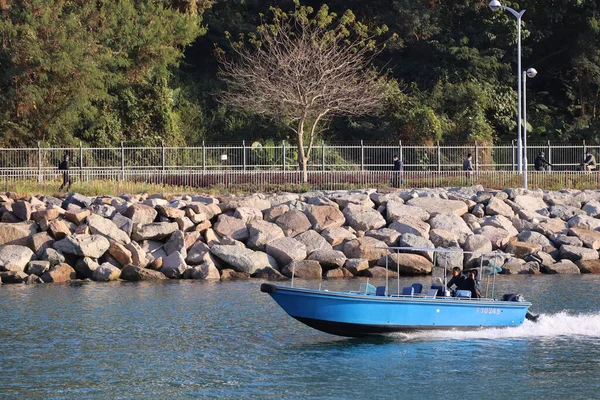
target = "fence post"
x: 203, y: 156
x: 244, y: 153
x: 549, y: 156
x: 362, y: 156
x: 513, y: 154
x: 323, y: 155
x: 400, y: 153
x: 39, y: 163
x: 439, y: 157
x: 283, y: 149
x: 163, y: 161
x: 122, y: 162
x: 80, y: 162
x: 476, y: 157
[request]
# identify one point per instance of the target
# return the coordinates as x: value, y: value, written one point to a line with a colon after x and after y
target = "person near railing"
x: 397, y: 177
x: 540, y: 163
x: 588, y: 163
x: 64, y: 166
x: 468, y: 165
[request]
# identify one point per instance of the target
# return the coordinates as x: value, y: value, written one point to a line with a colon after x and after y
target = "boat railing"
x: 491, y: 268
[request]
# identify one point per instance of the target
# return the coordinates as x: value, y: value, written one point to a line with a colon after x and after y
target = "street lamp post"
x: 531, y: 73
x: 495, y: 6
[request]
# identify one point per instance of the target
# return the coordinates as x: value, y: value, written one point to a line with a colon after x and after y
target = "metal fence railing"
x: 358, y: 156
x: 265, y: 181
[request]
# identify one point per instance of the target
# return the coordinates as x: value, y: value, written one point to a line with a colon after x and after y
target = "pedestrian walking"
x: 64, y: 166
x: 397, y: 174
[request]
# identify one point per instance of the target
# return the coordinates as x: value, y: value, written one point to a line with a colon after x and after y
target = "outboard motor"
x: 519, y: 298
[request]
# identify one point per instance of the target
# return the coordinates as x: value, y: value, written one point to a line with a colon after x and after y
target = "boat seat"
x: 418, y: 287
x: 441, y: 290
x: 380, y: 291
x: 465, y: 294
x: 408, y: 291
x: 432, y: 293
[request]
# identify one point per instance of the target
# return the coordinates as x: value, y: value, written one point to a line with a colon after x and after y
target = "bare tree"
x: 305, y: 70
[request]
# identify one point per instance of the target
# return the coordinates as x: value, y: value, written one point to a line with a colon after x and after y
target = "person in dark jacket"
x: 64, y: 166
x: 397, y: 177
x: 540, y: 163
x: 458, y: 280
x: 468, y: 163
x: 589, y: 162
x: 472, y: 284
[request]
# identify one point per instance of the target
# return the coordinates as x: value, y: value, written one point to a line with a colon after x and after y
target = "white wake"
x: 548, y: 326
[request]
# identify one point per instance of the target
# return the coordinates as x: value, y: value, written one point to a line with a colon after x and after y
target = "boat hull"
x: 353, y: 314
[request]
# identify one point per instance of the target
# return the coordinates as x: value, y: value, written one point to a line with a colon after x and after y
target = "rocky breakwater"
x: 318, y: 234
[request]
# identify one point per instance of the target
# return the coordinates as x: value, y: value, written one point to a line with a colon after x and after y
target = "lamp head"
x: 495, y: 5
x: 531, y: 72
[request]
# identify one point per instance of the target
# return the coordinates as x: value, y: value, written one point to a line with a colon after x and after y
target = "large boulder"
x: 85, y: 267
x: 451, y: 259
x: 120, y: 253
x: 396, y: 210
x: 105, y: 227
x: 531, y: 203
x: 329, y: 259
x: 293, y: 223
x: 584, y: 222
x: 154, y: 231
x: 59, y: 273
x: 305, y: 269
x: 577, y: 253
x: 39, y: 242
x: 206, y: 271
x: 262, y: 232
x: 451, y: 222
x: 242, y: 259
x: 18, y: 234
x: 498, y: 207
x: 196, y: 255
x: 93, y: 246
x: 366, y: 247
x: 106, y: 272
x: 363, y: 218
x: 286, y: 250
x: 588, y: 266
x: 231, y: 227
x: 313, y: 241
x: 358, y: 199
x: 386, y: 235
x: 248, y: 214
x: 588, y: 237
x: 407, y: 264
x: 141, y: 214
x: 497, y: 236
x: 134, y: 273
x: 411, y: 225
x: 434, y: 205
x: 323, y: 217
x: 417, y: 242
x: 336, y: 236
x: 173, y: 265
x: 22, y: 210
x: 475, y: 243
x: 14, y: 257
x: 522, y: 249
x: 562, y: 267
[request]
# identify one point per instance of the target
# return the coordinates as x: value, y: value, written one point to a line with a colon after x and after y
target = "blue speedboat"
x: 374, y: 310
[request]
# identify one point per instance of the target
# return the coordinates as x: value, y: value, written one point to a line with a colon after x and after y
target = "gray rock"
x: 498, y: 207
x: 106, y: 272
x: 329, y: 259
x: 362, y: 218
x: 176, y: 243
x: 14, y: 257
x: 534, y: 237
x: 435, y: 205
x: 93, y: 246
x: 102, y: 226
x: 411, y: 240
x: 584, y: 222
x: 242, y: 259
x: 196, y: 255
x: 37, y: 267
x: 312, y: 241
x: 559, y: 239
x: 395, y: 210
x: 565, y: 212
x: 103, y: 210
x: 85, y: 267
x: 323, y: 217
x: 336, y: 236
x: 451, y: 222
x: 123, y: 223
x: 591, y: 208
x: 154, y: 231
x: 577, y: 253
x: 262, y: 232
x: 386, y: 235
x: 451, y: 259
x: 293, y: 223
x: 134, y: 273
x: 475, y: 243
x: 305, y: 269
x: 173, y: 265
x: 286, y: 250
x: 562, y: 267
x: 411, y: 225
x: 497, y: 236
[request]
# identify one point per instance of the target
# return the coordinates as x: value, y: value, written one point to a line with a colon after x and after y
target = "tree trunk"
x: 302, y: 157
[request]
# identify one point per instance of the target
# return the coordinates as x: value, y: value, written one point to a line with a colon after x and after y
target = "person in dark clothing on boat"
x: 64, y: 166
x: 458, y: 280
x: 540, y: 163
x: 397, y: 177
x: 472, y: 284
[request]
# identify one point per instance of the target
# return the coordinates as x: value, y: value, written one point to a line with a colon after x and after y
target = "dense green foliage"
x: 145, y: 71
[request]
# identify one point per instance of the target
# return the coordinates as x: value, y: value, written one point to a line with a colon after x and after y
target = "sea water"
x: 192, y: 339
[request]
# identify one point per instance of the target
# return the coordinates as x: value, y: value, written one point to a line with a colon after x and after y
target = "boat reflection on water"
x: 381, y: 310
